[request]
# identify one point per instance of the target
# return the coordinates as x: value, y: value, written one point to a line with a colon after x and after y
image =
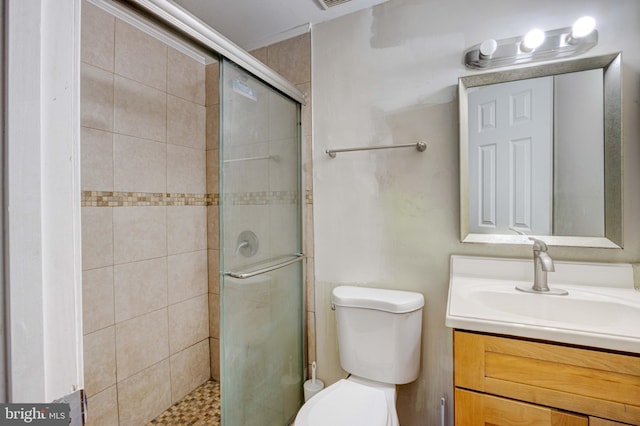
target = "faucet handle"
x: 538, y: 245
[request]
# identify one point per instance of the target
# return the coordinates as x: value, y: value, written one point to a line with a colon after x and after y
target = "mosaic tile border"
x: 261, y: 198
x: 134, y: 199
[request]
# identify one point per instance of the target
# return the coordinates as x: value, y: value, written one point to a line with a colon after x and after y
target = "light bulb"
x: 488, y: 48
x: 532, y: 39
x: 583, y: 27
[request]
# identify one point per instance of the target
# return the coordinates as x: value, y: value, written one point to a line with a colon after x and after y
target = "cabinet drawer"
x: 592, y: 382
x: 478, y: 409
x: 595, y: 421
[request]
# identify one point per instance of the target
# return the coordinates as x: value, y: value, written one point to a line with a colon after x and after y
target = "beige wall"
x: 144, y: 222
x: 388, y: 75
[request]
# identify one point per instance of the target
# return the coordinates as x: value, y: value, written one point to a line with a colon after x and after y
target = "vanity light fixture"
x: 536, y: 45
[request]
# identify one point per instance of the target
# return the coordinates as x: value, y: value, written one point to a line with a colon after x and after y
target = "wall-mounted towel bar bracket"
x: 420, y: 146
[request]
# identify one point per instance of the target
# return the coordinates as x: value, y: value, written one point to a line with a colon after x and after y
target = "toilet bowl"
x: 379, y: 335
x: 351, y: 402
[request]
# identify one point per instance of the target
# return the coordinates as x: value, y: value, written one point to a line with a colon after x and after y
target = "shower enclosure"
x: 261, y: 316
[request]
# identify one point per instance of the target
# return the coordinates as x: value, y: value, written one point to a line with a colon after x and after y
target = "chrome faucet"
x: 542, y: 263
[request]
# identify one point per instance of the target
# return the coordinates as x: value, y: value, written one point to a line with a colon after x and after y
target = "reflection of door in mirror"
x: 511, y: 157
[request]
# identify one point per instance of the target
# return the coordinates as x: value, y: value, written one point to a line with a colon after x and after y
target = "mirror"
x: 545, y: 172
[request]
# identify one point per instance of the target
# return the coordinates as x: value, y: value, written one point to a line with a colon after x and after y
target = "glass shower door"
x: 260, y: 229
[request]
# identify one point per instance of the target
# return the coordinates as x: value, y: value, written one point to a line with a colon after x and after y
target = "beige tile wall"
x: 292, y: 59
x: 145, y: 288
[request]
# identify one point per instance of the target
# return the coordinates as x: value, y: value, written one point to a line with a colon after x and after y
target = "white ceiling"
x: 256, y: 23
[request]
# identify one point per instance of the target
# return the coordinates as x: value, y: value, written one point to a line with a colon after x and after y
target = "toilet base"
x: 351, y: 401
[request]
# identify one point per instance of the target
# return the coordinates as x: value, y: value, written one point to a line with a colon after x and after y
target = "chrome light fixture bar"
x: 535, y: 46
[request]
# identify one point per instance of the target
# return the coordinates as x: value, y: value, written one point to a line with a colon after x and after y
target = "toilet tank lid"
x: 394, y: 301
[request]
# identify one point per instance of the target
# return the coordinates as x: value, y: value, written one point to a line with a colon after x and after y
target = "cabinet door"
x: 477, y: 409
x: 597, y: 383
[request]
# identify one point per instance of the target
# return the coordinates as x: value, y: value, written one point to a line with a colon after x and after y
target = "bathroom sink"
x: 601, y: 310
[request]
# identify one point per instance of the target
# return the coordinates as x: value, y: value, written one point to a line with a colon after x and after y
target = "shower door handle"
x: 242, y: 275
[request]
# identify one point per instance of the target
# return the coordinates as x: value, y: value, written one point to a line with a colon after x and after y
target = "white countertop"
x: 602, y: 309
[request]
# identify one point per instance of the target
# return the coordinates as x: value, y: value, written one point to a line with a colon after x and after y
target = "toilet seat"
x: 346, y: 403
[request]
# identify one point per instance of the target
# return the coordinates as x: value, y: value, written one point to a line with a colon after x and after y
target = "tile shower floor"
x: 200, y: 407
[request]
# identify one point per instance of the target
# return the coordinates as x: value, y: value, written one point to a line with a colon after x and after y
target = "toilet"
x: 379, y: 335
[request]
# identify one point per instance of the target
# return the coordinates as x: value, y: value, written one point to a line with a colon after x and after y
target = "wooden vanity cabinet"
x: 510, y: 381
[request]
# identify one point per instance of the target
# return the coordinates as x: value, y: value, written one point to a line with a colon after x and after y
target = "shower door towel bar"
x: 420, y: 146
x: 293, y: 258
x: 266, y: 157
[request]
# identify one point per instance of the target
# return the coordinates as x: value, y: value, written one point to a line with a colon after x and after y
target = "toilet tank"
x: 379, y: 332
